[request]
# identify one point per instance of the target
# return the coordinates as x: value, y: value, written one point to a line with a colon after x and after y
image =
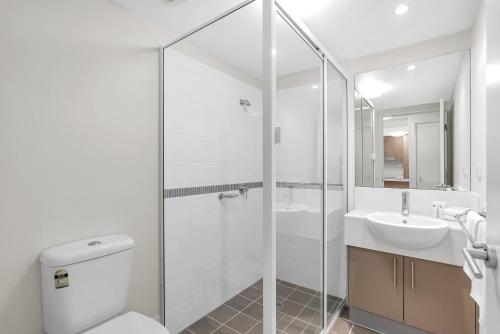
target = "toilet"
x: 85, y: 285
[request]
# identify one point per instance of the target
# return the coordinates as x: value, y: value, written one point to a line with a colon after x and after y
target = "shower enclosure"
x: 253, y: 177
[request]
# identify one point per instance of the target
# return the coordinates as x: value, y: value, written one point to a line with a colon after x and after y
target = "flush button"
x: 94, y: 243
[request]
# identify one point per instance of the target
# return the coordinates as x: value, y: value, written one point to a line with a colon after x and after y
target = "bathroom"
x: 259, y: 166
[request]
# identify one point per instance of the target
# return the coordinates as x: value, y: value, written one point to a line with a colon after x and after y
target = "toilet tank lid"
x: 84, y: 250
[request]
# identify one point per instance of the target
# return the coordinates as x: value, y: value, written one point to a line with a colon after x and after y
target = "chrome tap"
x: 405, y: 205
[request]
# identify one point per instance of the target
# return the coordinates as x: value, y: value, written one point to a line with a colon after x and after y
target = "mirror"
x: 412, y: 125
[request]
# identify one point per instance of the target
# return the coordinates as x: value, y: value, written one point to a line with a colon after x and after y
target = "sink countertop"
x: 357, y: 233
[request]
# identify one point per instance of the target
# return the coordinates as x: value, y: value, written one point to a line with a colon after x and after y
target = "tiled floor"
x: 343, y: 326
x: 297, y: 312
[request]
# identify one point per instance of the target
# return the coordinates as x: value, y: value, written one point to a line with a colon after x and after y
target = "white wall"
x: 492, y: 278
x: 462, y: 126
x: 78, y: 142
x: 299, y: 154
x: 478, y: 105
x: 213, y: 248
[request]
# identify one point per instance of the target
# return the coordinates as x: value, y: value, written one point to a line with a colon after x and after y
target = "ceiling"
x: 349, y: 29
x: 431, y: 80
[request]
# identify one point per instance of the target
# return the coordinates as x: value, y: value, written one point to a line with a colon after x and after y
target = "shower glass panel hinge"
x: 277, y: 135
x: 164, y: 193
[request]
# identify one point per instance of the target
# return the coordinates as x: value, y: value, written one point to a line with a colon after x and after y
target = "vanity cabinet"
x: 376, y: 282
x: 428, y: 295
x: 437, y: 297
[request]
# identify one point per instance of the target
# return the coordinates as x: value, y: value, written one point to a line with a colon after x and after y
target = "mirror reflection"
x: 413, y: 125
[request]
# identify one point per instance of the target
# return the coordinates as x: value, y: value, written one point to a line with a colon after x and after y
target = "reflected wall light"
x: 371, y: 88
x: 493, y: 74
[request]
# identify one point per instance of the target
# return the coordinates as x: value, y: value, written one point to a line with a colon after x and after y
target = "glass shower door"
x: 299, y: 176
x: 336, y: 194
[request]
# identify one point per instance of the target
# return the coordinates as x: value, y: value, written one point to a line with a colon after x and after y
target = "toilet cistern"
x: 405, y: 205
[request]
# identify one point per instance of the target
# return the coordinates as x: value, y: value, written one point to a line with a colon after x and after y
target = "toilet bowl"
x: 129, y: 323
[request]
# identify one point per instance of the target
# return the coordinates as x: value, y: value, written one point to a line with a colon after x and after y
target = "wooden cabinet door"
x: 437, y: 298
x: 376, y: 282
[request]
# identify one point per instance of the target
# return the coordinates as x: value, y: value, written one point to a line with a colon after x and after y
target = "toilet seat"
x: 129, y: 323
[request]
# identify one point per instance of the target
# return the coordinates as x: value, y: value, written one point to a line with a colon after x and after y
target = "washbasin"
x: 416, y: 232
x: 290, y: 207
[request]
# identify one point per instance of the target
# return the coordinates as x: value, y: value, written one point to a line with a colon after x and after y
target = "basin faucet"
x: 405, y: 205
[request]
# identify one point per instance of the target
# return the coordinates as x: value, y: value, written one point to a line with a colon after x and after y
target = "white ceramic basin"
x: 416, y: 233
x: 291, y: 207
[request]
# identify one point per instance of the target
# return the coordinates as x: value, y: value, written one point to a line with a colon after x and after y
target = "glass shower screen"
x: 212, y: 165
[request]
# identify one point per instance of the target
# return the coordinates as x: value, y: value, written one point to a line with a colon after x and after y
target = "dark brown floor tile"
x: 222, y: 313
x: 296, y: 327
x: 256, y: 329
x: 291, y: 308
x: 238, y: 302
x: 283, y: 320
x: 361, y: 330
x: 311, y: 329
x: 254, y: 310
x: 258, y: 284
x: 311, y: 316
x: 260, y: 300
x: 307, y: 290
x: 283, y: 291
x: 204, y: 326
x: 241, y: 323
x: 345, y: 313
x: 185, y: 331
x: 225, y: 330
x: 288, y: 284
x: 332, y: 305
x: 341, y: 327
x: 251, y: 293
x: 315, y: 303
x: 300, y: 297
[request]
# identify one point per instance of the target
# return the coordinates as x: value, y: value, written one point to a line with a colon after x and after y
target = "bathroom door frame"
x: 269, y: 9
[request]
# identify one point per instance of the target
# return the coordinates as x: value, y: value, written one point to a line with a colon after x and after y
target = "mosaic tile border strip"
x: 302, y: 185
x: 202, y: 190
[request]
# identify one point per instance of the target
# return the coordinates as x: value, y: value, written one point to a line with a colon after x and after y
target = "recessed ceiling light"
x: 304, y: 8
x: 401, y: 9
x: 371, y: 88
x: 314, y: 86
x: 411, y: 67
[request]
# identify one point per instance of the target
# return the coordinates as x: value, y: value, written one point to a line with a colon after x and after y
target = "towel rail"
x: 481, y: 251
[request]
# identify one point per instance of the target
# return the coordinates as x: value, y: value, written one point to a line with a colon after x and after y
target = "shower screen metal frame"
x: 269, y: 9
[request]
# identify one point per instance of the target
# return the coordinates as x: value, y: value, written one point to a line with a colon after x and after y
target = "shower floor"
x: 297, y: 311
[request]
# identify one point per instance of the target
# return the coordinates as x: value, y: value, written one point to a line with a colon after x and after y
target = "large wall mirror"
x: 413, y: 125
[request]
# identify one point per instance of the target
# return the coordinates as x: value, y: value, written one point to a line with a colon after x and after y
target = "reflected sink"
x: 416, y: 233
x: 290, y: 207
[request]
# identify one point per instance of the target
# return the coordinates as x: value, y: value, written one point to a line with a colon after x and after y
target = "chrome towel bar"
x: 480, y: 251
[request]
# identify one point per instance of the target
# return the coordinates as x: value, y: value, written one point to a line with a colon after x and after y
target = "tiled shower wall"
x: 213, y: 248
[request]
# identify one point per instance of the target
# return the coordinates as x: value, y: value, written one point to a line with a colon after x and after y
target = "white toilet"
x: 85, y: 285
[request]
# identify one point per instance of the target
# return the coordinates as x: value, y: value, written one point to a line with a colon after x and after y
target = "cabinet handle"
x: 394, y: 269
x: 412, y: 276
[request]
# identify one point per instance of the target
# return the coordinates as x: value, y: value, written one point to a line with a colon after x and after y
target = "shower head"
x: 245, y: 103
x: 247, y: 107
